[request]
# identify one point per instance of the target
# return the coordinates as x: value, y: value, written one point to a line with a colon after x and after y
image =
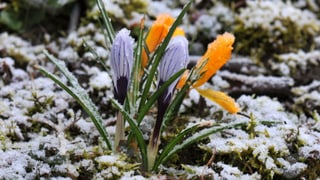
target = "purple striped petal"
x: 175, y: 58
x: 121, y: 63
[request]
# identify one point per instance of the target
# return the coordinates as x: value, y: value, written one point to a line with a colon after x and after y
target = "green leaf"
x: 168, y: 148
x: 77, y: 92
x: 106, y: 20
x: 197, y: 137
x: 135, y: 76
x: 95, y: 54
x: 174, y: 106
x: 155, y: 96
x: 11, y: 19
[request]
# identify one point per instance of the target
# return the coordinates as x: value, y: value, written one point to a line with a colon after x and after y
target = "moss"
x: 262, y: 35
x: 21, y: 15
x: 41, y: 103
x: 134, y: 6
x: 313, y: 169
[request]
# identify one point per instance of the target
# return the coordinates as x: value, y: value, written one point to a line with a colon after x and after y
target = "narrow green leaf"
x: 136, y: 131
x: 166, y: 150
x: 77, y: 92
x: 95, y: 54
x: 54, y: 78
x: 135, y: 76
x: 199, y: 136
x: 174, y: 106
x: 106, y: 20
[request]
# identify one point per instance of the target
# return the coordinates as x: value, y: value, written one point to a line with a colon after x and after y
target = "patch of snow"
x: 101, y: 81
x: 68, y: 54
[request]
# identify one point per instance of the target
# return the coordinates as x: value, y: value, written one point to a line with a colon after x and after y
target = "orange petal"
x: 220, y: 98
x: 157, y: 33
x: 183, y: 79
x: 166, y: 19
x: 218, y: 53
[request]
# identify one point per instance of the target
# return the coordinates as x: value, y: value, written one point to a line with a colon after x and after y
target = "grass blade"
x: 80, y: 95
x: 198, y: 136
x: 106, y: 20
x: 166, y: 150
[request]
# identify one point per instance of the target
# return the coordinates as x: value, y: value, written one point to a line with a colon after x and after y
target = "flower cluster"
x: 164, y: 56
x: 174, y: 59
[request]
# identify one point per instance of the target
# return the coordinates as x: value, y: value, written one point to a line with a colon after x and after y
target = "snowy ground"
x: 273, y: 75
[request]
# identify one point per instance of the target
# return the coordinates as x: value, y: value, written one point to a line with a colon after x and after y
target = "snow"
x: 13, y: 165
x: 101, y: 81
x: 59, y: 139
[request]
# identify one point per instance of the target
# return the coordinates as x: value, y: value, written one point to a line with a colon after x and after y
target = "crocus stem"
x: 152, y: 153
x: 119, y: 135
x: 154, y: 142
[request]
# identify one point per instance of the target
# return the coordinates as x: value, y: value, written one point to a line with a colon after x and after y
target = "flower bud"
x: 121, y: 63
x: 175, y: 58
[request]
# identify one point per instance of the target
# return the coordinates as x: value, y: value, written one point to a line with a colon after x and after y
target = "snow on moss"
x: 297, y: 64
x: 282, y: 28
x: 271, y: 144
x: 17, y: 165
x: 20, y: 49
x: 114, y: 166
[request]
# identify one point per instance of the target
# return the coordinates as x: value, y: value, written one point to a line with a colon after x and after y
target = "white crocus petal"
x: 175, y: 58
x: 122, y: 61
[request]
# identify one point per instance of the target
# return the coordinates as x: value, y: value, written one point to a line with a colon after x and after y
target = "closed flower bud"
x: 175, y: 58
x: 121, y: 63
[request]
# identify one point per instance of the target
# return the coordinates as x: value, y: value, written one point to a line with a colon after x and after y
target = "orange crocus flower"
x: 157, y: 33
x: 217, y: 54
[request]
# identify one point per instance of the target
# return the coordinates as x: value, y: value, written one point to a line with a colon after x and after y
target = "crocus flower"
x: 175, y: 58
x: 157, y: 33
x: 121, y: 63
x: 217, y: 54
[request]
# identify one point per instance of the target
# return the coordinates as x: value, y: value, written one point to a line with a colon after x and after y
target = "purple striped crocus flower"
x: 121, y: 63
x: 175, y: 58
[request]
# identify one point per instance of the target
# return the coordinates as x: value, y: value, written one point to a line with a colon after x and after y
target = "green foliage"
x: 78, y: 93
x: 141, y: 98
x: 21, y: 15
x: 41, y: 103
